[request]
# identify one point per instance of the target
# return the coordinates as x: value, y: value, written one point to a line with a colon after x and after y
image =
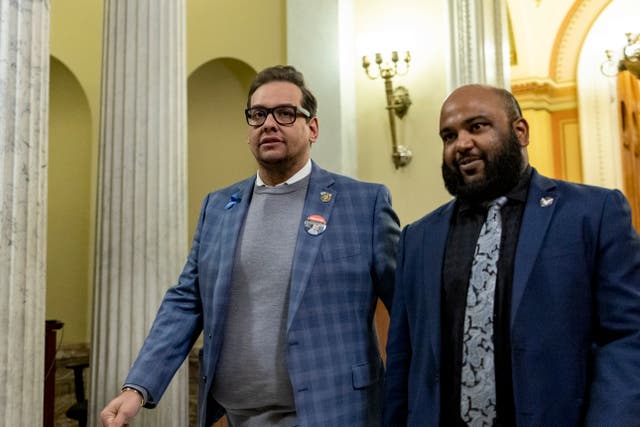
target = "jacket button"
x: 204, y: 379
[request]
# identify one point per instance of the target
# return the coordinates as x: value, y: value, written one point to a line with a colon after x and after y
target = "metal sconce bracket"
x: 401, y: 101
x: 398, y: 100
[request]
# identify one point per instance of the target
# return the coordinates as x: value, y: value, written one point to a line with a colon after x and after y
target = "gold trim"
x: 545, y: 95
x: 570, y: 37
x: 513, y: 51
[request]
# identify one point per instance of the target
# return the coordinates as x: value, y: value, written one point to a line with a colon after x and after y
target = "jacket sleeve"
x: 174, y: 331
x: 615, y: 387
x: 399, y: 353
x: 386, y: 232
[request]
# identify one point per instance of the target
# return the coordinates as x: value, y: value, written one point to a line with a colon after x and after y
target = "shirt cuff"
x: 143, y: 391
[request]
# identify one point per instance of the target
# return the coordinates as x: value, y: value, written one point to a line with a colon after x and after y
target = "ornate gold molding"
x: 570, y: 38
x: 545, y: 94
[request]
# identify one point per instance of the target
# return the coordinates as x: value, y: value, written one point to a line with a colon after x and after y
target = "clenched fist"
x: 120, y: 410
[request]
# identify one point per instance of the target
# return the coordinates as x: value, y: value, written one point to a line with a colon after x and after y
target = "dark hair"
x: 284, y: 73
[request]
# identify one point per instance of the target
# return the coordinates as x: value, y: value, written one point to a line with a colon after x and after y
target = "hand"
x: 121, y: 410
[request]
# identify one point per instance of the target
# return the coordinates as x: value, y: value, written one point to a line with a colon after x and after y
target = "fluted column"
x: 24, y: 96
x: 141, y: 225
x: 479, y: 42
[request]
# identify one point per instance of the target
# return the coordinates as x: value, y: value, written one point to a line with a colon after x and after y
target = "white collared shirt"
x: 298, y: 176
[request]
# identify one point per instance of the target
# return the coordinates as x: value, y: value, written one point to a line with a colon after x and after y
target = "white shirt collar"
x: 298, y: 176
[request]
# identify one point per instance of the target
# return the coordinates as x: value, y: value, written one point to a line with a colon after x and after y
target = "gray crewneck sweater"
x: 252, y: 382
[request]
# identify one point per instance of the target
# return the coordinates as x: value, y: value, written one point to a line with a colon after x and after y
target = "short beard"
x: 501, y: 174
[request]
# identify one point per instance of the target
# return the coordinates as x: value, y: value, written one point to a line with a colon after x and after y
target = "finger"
x: 107, y: 417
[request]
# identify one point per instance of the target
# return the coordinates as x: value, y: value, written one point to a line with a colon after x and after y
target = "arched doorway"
x: 217, y: 134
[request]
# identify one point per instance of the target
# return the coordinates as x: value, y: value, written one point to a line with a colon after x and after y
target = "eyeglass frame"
x: 296, y: 109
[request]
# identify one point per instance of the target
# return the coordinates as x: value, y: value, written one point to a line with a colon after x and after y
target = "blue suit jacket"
x: 575, y: 313
x: 337, y: 276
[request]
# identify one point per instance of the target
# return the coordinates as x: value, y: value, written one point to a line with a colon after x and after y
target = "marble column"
x: 24, y: 96
x: 141, y: 236
x: 479, y: 42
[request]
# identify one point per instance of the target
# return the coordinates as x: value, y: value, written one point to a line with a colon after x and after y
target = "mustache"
x: 468, y: 158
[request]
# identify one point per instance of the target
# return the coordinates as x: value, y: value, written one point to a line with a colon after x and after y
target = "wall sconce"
x: 398, y: 101
x: 630, y: 58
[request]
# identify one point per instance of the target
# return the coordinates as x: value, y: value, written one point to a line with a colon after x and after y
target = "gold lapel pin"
x: 325, y: 196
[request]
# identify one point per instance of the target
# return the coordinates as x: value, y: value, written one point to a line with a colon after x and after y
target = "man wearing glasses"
x: 282, y: 279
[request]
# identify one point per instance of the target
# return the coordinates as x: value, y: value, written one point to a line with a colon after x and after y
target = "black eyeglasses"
x: 283, y: 114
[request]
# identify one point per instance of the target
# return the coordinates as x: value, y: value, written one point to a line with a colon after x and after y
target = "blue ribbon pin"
x: 235, y: 198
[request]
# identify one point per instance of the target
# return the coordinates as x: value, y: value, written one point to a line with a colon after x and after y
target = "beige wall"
x: 217, y: 132
x: 249, y: 30
x: 541, y: 154
x: 421, y: 27
x: 534, y: 46
x: 226, y: 46
x: 76, y: 48
x: 68, y: 228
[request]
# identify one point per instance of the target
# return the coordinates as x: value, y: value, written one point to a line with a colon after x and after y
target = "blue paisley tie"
x: 478, y: 385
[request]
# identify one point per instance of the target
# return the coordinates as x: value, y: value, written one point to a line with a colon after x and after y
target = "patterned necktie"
x: 478, y: 385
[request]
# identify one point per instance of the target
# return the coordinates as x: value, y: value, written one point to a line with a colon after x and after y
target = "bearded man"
x: 517, y: 303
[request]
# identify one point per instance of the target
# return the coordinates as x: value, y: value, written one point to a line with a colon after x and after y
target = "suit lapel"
x: 541, y: 204
x: 434, y: 243
x: 307, y: 245
x: 233, y: 214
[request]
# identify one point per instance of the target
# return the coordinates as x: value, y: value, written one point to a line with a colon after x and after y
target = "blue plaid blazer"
x: 337, y: 277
